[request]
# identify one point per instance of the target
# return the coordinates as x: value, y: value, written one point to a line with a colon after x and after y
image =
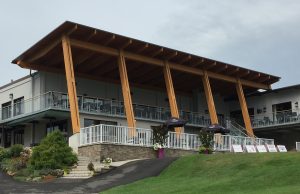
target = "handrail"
x: 143, y: 137
x: 59, y: 100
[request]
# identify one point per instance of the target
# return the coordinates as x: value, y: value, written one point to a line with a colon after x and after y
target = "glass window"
x: 59, y: 125
x: 19, y: 136
x: 6, y: 110
x: 18, y: 106
x: 90, y: 122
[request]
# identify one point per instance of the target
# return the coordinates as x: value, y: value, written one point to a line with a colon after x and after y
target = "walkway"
x: 125, y: 174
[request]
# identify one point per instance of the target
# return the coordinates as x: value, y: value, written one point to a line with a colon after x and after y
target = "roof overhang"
x: 95, y: 55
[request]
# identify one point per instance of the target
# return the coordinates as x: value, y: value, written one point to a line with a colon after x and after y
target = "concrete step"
x: 82, y: 163
x: 80, y: 172
x: 83, y: 157
x: 80, y: 168
x: 78, y: 176
x: 84, y: 160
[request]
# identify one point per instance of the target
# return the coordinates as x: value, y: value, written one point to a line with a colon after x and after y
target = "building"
x: 276, y: 114
x: 86, y: 76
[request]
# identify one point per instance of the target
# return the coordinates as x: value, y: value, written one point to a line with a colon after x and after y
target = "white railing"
x: 298, y: 146
x: 95, y: 105
x: 276, y: 118
x: 143, y: 137
x: 183, y: 141
x: 225, y: 142
x: 115, y: 135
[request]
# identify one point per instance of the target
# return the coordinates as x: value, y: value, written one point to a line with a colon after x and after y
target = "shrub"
x: 52, y: 153
x: 25, y: 172
x: 204, y: 150
x: 160, y: 134
x: 12, y: 165
x: 91, y: 166
x: 15, y: 150
x: 43, y: 172
x: 206, y: 138
x: 4, y: 153
x: 57, y: 172
x: 46, y: 172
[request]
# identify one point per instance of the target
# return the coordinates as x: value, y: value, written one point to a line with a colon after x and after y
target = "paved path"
x: 125, y: 174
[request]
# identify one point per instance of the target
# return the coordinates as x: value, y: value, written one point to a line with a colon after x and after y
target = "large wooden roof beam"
x: 51, y: 46
x: 158, y: 62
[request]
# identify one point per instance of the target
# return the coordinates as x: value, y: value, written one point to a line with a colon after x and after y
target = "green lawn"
x: 224, y: 173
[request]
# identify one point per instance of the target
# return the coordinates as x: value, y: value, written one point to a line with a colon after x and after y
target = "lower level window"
x: 59, y: 125
x: 19, y: 137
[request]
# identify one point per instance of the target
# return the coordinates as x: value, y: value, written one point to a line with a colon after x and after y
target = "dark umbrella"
x: 174, y: 122
x: 215, y: 128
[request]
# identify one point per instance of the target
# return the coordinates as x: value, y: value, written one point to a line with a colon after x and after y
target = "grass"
x: 224, y: 173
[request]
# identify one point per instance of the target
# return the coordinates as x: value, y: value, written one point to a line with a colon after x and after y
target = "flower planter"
x: 160, y: 153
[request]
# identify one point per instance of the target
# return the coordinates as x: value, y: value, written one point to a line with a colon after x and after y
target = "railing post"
x: 90, y: 135
x: 187, y: 142
x: 101, y: 133
x: 168, y: 140
x: 230, y: 144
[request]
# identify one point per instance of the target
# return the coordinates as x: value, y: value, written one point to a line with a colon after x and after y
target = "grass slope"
x: 224, y: 173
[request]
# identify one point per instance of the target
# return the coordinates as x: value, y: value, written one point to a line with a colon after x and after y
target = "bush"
x: 46, y: 172
x: 204, y: 150
x: 91, y: 167
x: 15, y: 150
x: 4, y: 153
x: 160, y: 134
x: 25, y: 172
x: 57, y: 172
x: 13, y: 164
x: 52, y: 153
x: 206, y: 139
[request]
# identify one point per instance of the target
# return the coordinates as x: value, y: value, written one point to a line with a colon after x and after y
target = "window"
x: 18, y: 106
x: 59, y: 125
x: 282, y: 107
x: 6, y: 110
x: 19, y: 136
x: 90, y: 122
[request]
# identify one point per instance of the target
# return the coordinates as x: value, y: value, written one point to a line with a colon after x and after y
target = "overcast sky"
x: 262, y: 35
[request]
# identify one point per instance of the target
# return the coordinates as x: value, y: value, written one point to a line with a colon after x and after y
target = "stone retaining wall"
x: 98, y: 152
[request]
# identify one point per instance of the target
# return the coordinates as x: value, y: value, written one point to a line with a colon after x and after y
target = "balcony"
x: 279, y: 118
x: 97, y: 106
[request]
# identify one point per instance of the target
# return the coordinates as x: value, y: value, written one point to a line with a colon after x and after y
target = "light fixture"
x: 11, y: 96
x: 296, y: 105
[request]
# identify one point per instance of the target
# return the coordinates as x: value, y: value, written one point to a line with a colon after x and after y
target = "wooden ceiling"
x: 47, y: 55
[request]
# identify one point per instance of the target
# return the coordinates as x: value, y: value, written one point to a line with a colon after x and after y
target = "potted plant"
x: 160, y: 135
x: 107, y: 162
x: 206, y: 139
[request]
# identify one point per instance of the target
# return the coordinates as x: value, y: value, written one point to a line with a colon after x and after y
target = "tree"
x: 52, y: 153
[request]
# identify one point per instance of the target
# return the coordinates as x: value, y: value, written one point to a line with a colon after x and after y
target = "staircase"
x: 236, y: 129
x: 81, y: 171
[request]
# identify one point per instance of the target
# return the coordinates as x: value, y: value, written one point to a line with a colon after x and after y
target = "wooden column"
x: 126, y: 93
x: 70, y: 76
x: 171, y: 94
x: 209, y: 99
x: 243, y: 104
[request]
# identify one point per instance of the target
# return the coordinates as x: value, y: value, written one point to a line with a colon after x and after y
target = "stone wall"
x: 98, y: 152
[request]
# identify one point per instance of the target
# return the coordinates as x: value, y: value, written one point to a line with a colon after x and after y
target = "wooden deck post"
x: 209, y: 99
x: 70, y: 76
x: 171, y: 94
x: 243, y: 104
x: 126, y: 93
